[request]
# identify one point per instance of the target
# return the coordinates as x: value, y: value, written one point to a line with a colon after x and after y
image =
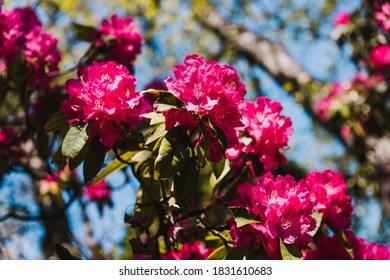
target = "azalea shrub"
x: 213, y: 177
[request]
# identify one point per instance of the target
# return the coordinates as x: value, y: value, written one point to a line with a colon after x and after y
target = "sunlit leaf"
x: 74, y: 140
x: 243, y: 217
x: 289, y: 251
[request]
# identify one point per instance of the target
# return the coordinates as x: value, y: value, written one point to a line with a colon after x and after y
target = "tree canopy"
x: 194, y: 129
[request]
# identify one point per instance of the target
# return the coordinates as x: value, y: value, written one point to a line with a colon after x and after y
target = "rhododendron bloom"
x: 367, y: 251
x: 383, y: 16
x: 208, y: 89
x: 328, y: 193
x: 14, y: 25
x: 104, y: 93
x: 21, y: 32
x: 283, y: 209
x: 380, y: 57
x: 328, y: 248
x: 341, y: 18
x: 122, y: 39
x: 189, y: 251
x: 41, y: 53
x: 328, y: 105
x: 49, y: 185
x: 264, y: 133
x: 98, y: 192
x: 10, y: 144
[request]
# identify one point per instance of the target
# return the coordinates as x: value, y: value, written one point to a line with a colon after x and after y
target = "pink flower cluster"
x: 383, y: 16
x: 189, y: 251
x: 10, y: 144
x: 51, y: 183
x: 98, y: 192
x: 22, y: 33
x: 283, y: 209
x: 344, y: 94
x: 341, y: 19
x: 331, y: 103
x: 104, y: 94
x: 380, y: 57
x: 121, y: 38
x: 208, y: 90
x: 264, y: 133
x: 328, y: 194
x: 330, y: 248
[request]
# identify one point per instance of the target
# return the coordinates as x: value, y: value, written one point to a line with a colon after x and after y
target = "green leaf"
x: 77, y: 160
x: 318, y: 217
x: 74, y: 140
x: 172, y: 154
x: 206, y: 142
x: 165, y: 97
x: 219, y: 168
x: 59, y: 159
x: 114, y: 166
x: 289, y: 251
x: 157, y: 132
x: 242, y: 216
x: 235, y: 254
x: 56, y: 122
x: 219, y: 254
x: 155, y: 118
x: 94, y: 159
x: 186, y: 183
x: 84, y: 33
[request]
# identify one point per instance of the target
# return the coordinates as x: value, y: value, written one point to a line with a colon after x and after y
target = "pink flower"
x: 328, y: 248
x: 22, y: 33
x: 331, y: 103
x: 41, y: 53
x: 365, y: 251
x: 328, y: 193
x: 283, y: 209
x: 98, y: 192
x: 14, y: 25
x: 190, y: 251
x: 383, y: 16
x: 104, y: 94
x: 49, y: 185
x: 10, y: 144
x: 209, y: 91
x: 121, y: 38
x: 380, y: 57
x: 345, y: 131
x: 265, y: 132
x: 341, y: 19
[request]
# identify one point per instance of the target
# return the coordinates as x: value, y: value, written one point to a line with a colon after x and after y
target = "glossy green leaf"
x: 219, y: 254
x: 155, y: 118
x: 56, y: 122
x: 77, y: 160
x: 94, y: 159
x: 114, y: 166
x: 289, y: 251
x: 157, y: 132
x: 84, y: 33
x: 242, y: 216
x: 172, y: 154
x: 186, y: 183
x: 74, y: 140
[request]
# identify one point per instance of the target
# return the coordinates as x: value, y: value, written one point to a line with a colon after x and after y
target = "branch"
x: 17, y: 216
x: 272, y: 57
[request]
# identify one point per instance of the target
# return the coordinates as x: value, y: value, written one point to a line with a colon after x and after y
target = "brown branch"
x: 21, y: 217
